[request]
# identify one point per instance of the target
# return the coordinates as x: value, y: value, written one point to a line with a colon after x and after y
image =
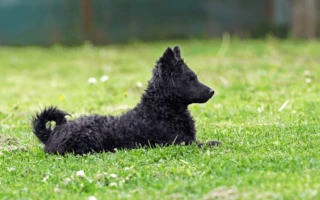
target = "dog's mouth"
x: 203, y: 98
x: 200, y: 100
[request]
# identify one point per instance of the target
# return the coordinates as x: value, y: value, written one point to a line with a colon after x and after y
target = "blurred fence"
x: 38, y: 22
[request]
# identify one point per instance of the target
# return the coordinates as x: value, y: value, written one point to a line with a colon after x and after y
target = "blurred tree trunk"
x: 305, y: 18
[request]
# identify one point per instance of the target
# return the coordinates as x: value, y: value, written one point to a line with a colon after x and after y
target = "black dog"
x: 162, y: 116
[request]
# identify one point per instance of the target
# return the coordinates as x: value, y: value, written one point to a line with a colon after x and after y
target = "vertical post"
x: 86, y: 8
x: 304, y: 18
x: 269, y: 11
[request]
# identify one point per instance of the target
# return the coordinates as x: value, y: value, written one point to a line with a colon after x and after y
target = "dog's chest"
x: 177, y: 126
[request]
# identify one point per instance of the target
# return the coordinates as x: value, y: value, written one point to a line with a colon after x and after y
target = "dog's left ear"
x: 168, y: 56
x: 176, y: 51
x: 166, y: 63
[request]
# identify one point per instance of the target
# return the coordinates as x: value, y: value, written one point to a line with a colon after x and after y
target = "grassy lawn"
x: 266, y: 112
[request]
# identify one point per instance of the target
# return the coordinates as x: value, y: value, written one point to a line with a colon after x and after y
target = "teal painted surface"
x: 32, y: 22
x: 38, y: 22
x: 282, y: 12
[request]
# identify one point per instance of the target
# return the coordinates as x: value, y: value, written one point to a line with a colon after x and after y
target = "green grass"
x: 266, y: 112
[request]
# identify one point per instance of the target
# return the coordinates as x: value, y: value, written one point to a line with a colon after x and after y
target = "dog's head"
x: 173, y: 75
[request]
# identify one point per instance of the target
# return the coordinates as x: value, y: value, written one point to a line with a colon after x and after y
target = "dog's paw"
x: 214, y: 143
x: 210, y: 143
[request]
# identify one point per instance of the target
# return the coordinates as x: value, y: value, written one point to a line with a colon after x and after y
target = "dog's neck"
x: 162, y: 103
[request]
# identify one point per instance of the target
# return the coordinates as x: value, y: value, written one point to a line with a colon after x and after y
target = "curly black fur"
x: 161, y: 117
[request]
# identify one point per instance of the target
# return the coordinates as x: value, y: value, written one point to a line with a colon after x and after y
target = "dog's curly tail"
x: 39, y: 122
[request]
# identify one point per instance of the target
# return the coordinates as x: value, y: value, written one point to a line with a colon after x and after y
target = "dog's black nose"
x: 211, y: 92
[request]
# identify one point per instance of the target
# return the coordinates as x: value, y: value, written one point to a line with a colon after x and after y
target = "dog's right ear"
x: 165, y: 64
x: 177, y: 52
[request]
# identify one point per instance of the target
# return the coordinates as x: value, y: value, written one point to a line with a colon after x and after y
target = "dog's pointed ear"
x: 177, y: 52
x: 168, y: 56
x: 166, y: 64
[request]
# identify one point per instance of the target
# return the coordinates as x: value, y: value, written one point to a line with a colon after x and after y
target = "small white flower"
x: 92, y: 80
x: 92, y: 198
x: 81, y: 174
x: 139, y: 84
x: 45, y: 179
x: 261, y: 108
x: 308, y: 80
x: 104, y: 78
x: 5, y: 126
x: 113, y: 175
x: 127, y: 168
x: 10, y: 169
x: 56, y: 190
x: 67, y: 180
x: 113, y: 185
